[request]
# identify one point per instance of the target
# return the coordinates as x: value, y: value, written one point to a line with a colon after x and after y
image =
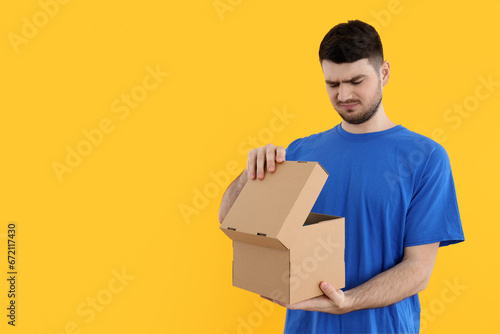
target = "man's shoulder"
x: 402, y: 140
x: 415, y: 142
x: 311, y: 140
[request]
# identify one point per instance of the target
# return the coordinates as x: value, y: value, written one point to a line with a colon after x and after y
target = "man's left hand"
x: 333, y: 301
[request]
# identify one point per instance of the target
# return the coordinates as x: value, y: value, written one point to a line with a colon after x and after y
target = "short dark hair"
x: 350, y: 42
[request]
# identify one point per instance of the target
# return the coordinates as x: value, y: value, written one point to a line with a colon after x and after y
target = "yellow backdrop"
x: 123, y: 121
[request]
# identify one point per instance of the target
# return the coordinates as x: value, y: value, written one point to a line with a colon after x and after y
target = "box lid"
x: 271, y: 211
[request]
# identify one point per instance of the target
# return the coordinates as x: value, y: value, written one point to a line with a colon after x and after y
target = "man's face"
x: 355, y: 89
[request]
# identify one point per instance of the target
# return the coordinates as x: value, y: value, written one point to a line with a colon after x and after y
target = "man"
x: 394, y: 187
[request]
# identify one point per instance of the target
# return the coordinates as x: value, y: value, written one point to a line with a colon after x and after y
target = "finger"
x: 270, y: 156
x: 261, y: 159
x: 280, y: 154
x: 330, y: 292
x: 252, y: 163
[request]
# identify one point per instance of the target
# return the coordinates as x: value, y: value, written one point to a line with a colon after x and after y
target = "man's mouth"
x: 348, y: 106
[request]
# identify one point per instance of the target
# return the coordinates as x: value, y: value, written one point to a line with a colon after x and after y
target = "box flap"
x: 257, y: 240
x: 278, y: 205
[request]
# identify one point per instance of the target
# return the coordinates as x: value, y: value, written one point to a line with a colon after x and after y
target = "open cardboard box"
x: 280, y: 249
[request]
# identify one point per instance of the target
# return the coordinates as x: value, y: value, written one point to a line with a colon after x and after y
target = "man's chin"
x: 355, y: 119
x: 349, y: 117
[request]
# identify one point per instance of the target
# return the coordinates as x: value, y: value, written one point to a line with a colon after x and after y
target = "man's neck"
x: 379, y: 122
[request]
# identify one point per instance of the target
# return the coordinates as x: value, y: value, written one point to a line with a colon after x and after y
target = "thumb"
x: 330, y: 292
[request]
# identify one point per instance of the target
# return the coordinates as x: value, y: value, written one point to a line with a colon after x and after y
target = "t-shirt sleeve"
x: 291, y: 150
x: 433, y: 215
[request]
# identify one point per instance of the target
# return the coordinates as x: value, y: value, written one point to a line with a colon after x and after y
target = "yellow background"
x: 229, y: 72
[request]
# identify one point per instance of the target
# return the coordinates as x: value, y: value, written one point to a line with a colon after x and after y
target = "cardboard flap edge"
x: 257, y: 239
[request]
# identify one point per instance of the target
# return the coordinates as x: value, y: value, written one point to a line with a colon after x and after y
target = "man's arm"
x: 231, y: 194
x: 405, y: 279
x: 258, y: 159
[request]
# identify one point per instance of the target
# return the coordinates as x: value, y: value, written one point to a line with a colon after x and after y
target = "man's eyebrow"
x: 351, y: 80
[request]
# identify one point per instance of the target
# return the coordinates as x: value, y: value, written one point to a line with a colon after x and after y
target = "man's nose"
x: 345, y: 93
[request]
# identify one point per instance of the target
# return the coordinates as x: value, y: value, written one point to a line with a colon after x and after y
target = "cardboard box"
x: 280, y: 249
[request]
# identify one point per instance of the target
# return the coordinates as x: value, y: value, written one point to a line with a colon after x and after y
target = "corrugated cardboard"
x: 280, y: 249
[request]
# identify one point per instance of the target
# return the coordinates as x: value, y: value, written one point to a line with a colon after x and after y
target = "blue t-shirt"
x: 395, y: 189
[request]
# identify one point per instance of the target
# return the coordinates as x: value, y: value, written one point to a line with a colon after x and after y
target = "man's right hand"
x: 264, y: 157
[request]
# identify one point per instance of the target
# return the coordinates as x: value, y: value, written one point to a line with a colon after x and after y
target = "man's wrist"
x: 349, y: 302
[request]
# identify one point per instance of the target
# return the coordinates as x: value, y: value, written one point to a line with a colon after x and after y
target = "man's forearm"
x: 401, y: 281
x: 231, y: 194
x: 389, y: 287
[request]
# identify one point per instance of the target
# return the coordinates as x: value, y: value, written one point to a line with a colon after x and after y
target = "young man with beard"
x: 393, y: 186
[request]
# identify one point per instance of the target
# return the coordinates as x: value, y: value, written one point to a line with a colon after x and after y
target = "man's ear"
x: 385, y: 72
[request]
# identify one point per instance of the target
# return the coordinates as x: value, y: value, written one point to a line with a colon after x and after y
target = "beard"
x: 364, y: 114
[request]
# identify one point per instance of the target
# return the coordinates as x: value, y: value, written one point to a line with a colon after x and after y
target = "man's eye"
x: 333, y: 85
x: 357, y: 82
